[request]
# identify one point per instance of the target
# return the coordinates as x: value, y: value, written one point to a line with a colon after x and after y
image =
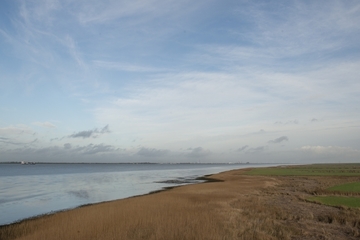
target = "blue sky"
x: 180, y: 81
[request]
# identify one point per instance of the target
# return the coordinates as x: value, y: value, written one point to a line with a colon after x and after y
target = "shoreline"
x: 232, y: 205
x: 40, y: 190
x: 205, y: 178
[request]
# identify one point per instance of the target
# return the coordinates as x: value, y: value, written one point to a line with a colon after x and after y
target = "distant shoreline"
x: 179, y: 163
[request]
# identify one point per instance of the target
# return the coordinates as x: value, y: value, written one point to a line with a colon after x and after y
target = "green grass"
x: 309, y: 170
x: 348, y: 187
x: 337, y: 201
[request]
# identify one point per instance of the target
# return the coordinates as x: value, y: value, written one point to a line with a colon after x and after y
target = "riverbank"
x: 238, y: 206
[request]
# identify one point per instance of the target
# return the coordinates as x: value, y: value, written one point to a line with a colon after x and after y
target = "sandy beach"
x: 236, y: 206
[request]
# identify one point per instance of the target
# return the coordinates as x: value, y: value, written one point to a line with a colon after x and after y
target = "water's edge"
x: 201, y: 180
x: 44, y: 192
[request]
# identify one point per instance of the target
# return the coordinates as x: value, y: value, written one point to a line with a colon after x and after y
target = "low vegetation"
x: 353, y: 187
x: 309, y: 170
x: 337, y: 201
x: 338, y: 195
x: 239, y: 206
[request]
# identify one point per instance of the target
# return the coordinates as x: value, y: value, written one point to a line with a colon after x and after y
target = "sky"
x: 180, y: 81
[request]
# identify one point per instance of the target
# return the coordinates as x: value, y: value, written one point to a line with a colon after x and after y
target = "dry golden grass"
x: 240, y: 207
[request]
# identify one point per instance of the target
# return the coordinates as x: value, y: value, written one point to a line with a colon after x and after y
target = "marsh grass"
x: 236, y: 206
x: 137, y: 218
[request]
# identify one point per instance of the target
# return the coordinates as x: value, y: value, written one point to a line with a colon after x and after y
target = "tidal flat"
x: 241, y: 204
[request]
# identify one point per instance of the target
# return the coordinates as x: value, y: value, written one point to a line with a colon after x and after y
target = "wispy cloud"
x: 279, y: 140
x: 9, y: 141
x: 287, y: 122
x: 91, y: 133
x: 126, y: 67
x: 300, y: 27
x: 95, y: 148
x: 90, y: 149
x: 13, y: 141
x: 332, y: 150
x: 256, y: 149
x: 243, y: 148
x: 94, y: 12
x: 74, y: 52
x: 198, y: 152
x: 152, y: 152
x: 44, y: 124
x: 16, y: 130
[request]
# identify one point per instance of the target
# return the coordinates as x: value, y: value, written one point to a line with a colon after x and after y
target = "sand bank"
x: 237, y: 207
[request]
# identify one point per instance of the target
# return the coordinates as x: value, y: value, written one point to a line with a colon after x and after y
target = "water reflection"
x: 43, y: 188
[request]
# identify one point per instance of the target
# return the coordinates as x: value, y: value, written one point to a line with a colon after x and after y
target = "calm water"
x: 30, y: 190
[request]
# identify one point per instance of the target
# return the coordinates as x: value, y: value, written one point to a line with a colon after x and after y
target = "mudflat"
x: 238, y: 205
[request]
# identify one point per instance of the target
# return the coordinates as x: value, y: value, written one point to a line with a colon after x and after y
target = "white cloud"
x: 44, y: 124
x: 331, y: 150
x: 16, y: 130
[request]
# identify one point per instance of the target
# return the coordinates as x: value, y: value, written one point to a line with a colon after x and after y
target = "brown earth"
x: 239, y: 207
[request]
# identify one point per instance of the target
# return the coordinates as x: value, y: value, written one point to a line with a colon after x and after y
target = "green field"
x: 348, y: 187
x: 337, y: 201
x: 309, y: 170
x: 345, y: 170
